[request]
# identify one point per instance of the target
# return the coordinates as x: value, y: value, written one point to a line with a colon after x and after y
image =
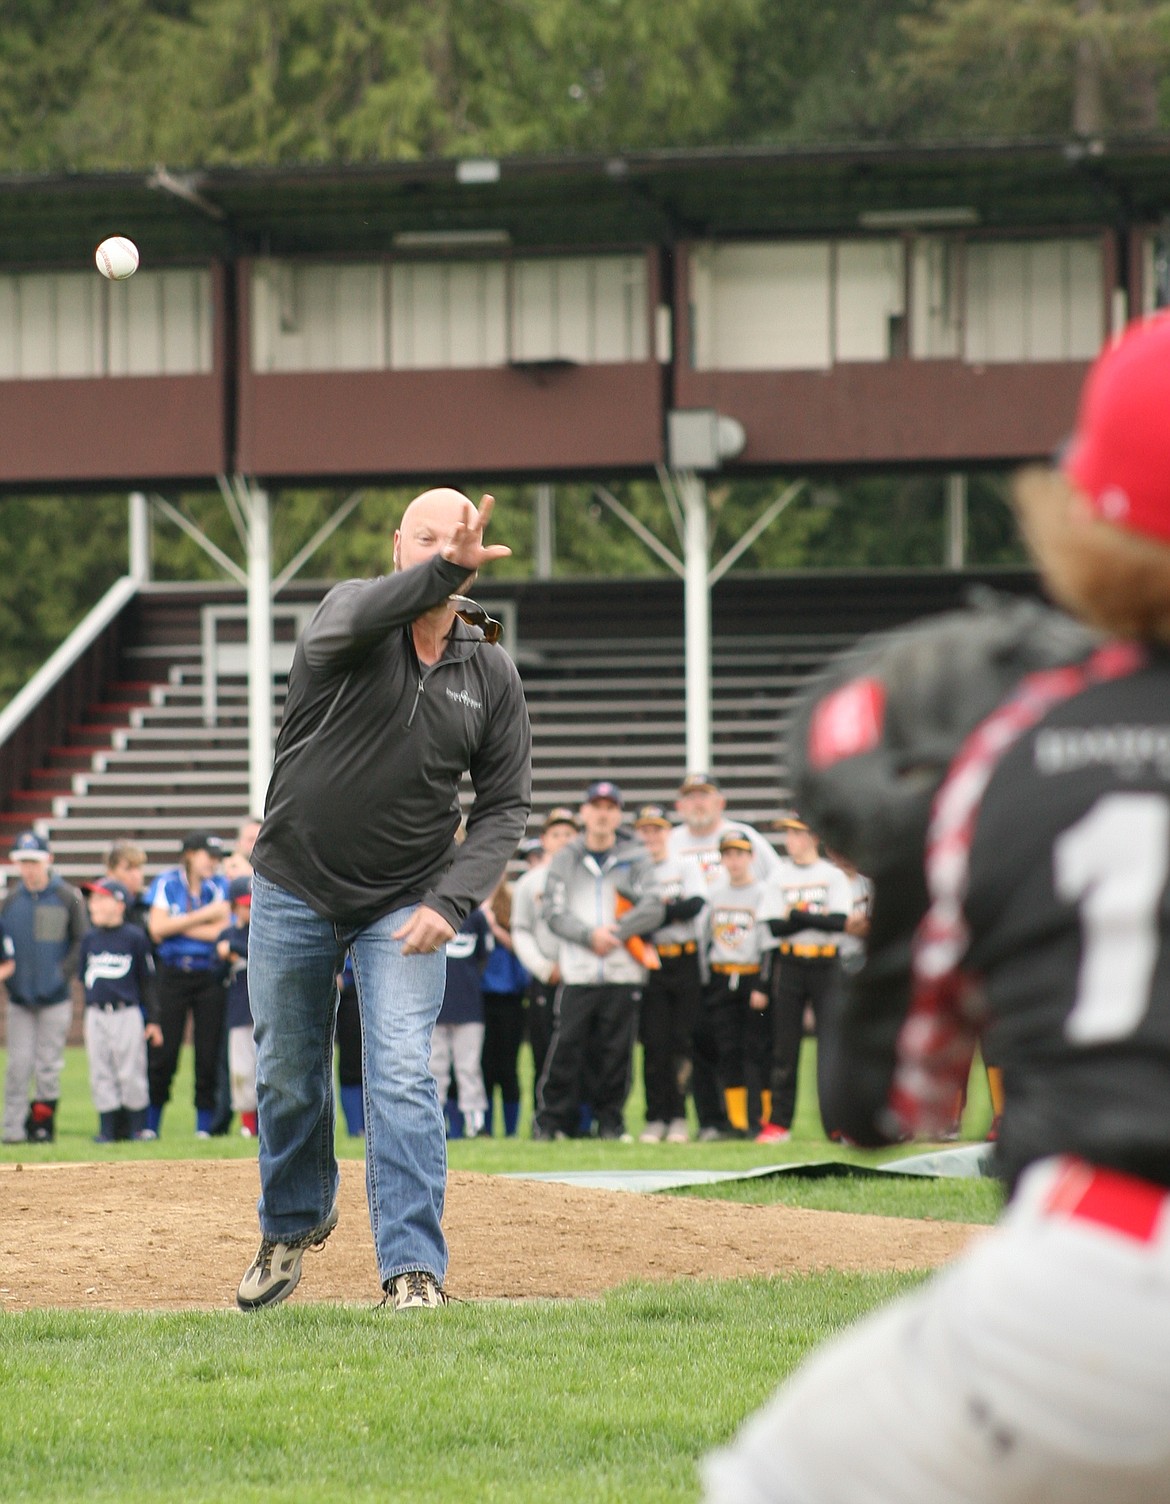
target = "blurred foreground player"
x: 1038, y: 1367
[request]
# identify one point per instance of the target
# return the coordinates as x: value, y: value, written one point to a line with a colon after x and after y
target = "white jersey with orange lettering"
x: 817, y: 888
x: 678, y: 879
x: 703, y: 850
x: 735, y: 931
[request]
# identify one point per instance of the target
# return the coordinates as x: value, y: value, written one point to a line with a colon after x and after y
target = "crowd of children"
x: 691, y: 934
x: 148, y: 960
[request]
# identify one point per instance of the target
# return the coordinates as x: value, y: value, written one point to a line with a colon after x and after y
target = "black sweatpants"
x: 719, y: 1039
x: 798, y: 982
x: 592, y: 1043
x: 670, y: 1007
x: 539, y: 1022
x: 349, y: 1037
x: 503, y: 1031
x: 203, y: 995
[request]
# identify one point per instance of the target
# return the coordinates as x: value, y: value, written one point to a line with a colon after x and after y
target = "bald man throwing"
x: 392, y: 697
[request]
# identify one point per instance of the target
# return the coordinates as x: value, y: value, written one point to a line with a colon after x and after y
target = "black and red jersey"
x: 1048, y: 926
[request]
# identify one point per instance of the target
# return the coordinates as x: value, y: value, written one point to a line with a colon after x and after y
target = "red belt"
x: 1111, y: 1199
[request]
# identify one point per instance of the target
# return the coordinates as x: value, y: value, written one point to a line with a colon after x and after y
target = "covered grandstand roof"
x: 632, y: 198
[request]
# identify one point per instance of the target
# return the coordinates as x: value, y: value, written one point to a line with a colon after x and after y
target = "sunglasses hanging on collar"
x: 475, y: 616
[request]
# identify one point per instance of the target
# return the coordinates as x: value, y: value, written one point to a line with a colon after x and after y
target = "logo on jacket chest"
x: 812, y: 898
x: 731, y: 927
x: 461, y: 697
x: 107, y: 966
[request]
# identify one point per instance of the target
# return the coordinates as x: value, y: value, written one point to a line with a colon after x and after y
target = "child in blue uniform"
x: 117, y: 972
x: 457, y: 1042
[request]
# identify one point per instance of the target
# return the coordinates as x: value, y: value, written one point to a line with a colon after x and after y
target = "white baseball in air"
x: 117, y: 258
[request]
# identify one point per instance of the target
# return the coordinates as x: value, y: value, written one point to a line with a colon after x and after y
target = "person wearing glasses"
x: 393, y: 695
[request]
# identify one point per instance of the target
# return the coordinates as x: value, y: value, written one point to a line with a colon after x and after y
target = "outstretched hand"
x: 466, y: 546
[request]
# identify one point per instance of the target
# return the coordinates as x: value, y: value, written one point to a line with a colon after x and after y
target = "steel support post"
x: 259, y: 537
x: 697, y: 610
x: 956, y: 544
x: 140, y: 550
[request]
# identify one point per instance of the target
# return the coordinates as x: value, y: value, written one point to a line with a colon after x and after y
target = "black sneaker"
x: 276, y: 1270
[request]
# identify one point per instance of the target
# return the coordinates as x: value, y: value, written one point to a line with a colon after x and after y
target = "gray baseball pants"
x: 460, y: 1045
x: 36, y: 1053
x: 115, y: 1045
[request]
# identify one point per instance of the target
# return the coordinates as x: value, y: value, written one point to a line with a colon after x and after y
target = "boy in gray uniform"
x: 738, y: 943
x: 702, y: 808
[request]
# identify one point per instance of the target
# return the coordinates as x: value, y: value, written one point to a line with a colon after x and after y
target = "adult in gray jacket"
x: 392, y: 696
x: 601, y: 895
x: 44, y: 918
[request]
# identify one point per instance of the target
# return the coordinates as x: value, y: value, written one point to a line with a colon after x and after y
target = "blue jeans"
x: 294, y: 957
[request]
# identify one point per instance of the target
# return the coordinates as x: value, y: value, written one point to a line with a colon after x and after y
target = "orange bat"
x: 641, y: 950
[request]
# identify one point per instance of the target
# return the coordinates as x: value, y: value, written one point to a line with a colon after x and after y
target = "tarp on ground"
x: 969, y: 1161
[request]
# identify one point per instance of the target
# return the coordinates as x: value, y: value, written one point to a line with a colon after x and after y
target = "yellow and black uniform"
x: 670, y: 999
x: 814, y: 900
x: 701, y: 852
x: 729, y: 1034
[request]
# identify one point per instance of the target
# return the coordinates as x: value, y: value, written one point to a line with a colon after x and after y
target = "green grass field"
x: 592, y: 1400
x: 554, y: 1401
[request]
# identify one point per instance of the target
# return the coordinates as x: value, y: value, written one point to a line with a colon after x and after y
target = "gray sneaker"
x: 416, y: 1290
x: 276, y: 1270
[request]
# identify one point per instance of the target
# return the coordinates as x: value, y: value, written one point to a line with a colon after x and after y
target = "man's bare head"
x: 428, y: 525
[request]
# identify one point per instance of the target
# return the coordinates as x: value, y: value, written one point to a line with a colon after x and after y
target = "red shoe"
x: 772, y: 1133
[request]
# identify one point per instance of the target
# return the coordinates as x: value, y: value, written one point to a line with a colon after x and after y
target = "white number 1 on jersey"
x: 1113, y: 865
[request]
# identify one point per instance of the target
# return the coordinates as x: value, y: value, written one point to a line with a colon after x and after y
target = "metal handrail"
x: 83, y: 636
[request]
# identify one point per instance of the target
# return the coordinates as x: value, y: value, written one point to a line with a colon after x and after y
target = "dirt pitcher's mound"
x: 177, y: 1235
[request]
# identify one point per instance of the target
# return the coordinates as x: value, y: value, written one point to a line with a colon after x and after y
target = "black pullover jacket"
x: 363, y: 804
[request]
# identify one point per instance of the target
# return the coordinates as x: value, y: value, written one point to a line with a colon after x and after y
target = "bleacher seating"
x: 147, y: 765
x: 603, y: 669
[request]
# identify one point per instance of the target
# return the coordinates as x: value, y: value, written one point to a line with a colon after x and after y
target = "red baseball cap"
x: 1120, y: 453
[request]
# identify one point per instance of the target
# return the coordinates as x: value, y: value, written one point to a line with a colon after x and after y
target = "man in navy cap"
x: 44, y: 917
x: 601, y: 896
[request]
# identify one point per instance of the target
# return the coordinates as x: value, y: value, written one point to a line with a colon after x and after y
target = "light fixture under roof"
x: 448, y: 240
x: 477, y: 170
x: 938, y: 218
